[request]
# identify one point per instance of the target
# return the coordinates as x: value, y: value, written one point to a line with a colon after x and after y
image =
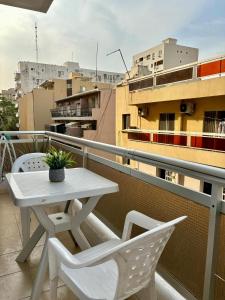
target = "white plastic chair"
x: 30, y: 162
x: 116, y: 269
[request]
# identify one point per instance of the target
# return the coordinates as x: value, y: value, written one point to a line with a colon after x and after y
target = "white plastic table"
x: 34, y: 190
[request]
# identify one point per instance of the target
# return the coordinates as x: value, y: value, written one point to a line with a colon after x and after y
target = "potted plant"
x: 57, y: 160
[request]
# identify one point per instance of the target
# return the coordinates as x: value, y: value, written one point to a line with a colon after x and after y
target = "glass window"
x: 126, y: 121
x: 167, y: 121
x: 214, y: 121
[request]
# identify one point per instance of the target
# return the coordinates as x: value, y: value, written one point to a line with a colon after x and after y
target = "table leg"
x: 66, y: 210
x: 25, y: 223
x: 79, y: 218
x: 31, y: 244
x: 40, y: 276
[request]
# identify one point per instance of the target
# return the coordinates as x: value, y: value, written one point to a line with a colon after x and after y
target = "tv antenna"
x: 36, y: 41
x: 118, y: 50
x: 96, y: 63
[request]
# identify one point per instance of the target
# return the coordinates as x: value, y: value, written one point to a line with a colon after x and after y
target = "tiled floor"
x: 16, y: 279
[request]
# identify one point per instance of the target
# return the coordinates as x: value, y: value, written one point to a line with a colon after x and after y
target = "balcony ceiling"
x: 36, y: 5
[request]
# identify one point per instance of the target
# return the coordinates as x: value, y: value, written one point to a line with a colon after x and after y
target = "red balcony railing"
x: 209, y: 141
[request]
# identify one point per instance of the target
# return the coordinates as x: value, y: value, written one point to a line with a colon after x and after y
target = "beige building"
x: 164, y: 56
x: 34, y: 109
x: 75, y: 106
x: 177, y: 116
x: 87, y: 109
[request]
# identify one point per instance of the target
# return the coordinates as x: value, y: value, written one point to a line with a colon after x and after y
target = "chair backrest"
x: 29, y: 163
x: 137, y: 258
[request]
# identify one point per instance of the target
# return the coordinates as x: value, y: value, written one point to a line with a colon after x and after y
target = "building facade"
x: 9, y: 94
x: 76, y: 106
x: 179, y: 113
x: 31, y: 74
x: 164, y: 56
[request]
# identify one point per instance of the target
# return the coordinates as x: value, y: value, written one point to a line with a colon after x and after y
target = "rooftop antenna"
x: 118, y: 50
x: 36, y: 41
x: 96, y: 63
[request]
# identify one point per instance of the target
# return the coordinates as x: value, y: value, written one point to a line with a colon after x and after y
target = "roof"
x: 78, y: 95
x: 37, y: 5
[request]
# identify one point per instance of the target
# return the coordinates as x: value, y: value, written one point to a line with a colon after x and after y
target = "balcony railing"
x: 198, y: 140
x: 70, y: 111
x: 194, y: 259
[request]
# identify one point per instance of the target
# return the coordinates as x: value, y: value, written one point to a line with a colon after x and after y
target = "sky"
x: 72, y: 29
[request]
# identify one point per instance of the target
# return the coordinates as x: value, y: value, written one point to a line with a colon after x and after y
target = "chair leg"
x: 148, y: 293
x: 25, y: 222
x: 53, y: 288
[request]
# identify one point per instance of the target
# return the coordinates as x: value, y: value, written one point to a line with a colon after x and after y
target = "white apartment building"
x: 164, y: 56
x: 32, y: 74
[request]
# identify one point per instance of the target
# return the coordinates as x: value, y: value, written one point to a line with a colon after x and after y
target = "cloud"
x: 77, y: 26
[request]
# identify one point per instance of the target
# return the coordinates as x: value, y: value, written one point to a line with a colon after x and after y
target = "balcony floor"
x: 16, y: 279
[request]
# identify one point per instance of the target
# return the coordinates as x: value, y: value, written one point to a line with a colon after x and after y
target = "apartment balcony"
x: 199, y: 80
x: 194, y: 258
x: 71, y: 113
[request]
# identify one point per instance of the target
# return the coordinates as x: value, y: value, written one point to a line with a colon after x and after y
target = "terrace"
x: 193, y: 260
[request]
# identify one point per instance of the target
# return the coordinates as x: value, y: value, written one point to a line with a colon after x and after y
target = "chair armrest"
x: 137, y: 218
x: 59, y: 254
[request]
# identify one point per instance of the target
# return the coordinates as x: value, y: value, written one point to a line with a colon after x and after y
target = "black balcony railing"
x: 69, y: 111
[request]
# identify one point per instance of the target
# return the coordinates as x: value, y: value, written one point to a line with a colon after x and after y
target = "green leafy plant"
x: 58, y: 159
x: 8, y: 115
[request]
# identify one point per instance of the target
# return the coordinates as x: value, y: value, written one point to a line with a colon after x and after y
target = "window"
x: 214, y: 122
x: 159, y: 62
x: 207, y: 188
x: 141, y: 59
x: 153, y: 55
x: 148, y: 56
x: 69, y: 87
x: 151, y: 65
x: 126, y: 121
x: 60, y: 73
x: 105, y: 76
x: 162, y: 173
x: 166, y: 121
x: 160, y: 53
x: 32, y: 69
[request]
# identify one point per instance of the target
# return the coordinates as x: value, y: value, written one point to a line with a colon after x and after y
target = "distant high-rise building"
x: 164, y: 56
x: 32, y: 74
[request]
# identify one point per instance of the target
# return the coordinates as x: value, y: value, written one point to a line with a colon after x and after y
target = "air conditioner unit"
x: 187, y: 108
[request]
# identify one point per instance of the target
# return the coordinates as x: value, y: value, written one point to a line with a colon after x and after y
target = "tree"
x: 8, y: 118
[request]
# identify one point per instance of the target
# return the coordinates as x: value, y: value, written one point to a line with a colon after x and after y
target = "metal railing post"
x: 85, y: 152
x: 213, y: 229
